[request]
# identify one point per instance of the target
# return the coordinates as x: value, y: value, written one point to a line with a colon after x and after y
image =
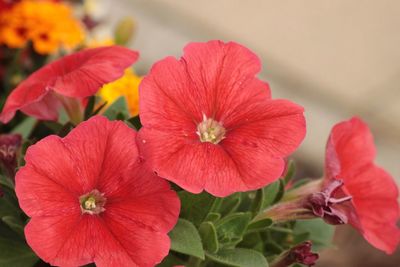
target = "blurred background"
x: 336, y: 58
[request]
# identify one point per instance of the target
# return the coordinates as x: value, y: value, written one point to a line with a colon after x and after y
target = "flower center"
x: 92, y: 202
x: 210, y: 130
x: 323, y: 204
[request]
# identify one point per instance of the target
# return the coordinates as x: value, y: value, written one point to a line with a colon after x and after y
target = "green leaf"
x: 15, y: 253
x: 135, y: 121
x: 260, y: 225
x: 319, y: 232
x: 291, y: 169
x: 231, y: 228
x: 9, y: 204
x: 14, y: 224
x: 185, y: 239
x: 239, y: 257
x: 270, y: 194
x: 89, y: 107
x: 170, y: 260
x: 301, y: 182
x: 52, y: 125
x: 213, y: 217
x: 230, y: 204
x: 99, y: 108
x: 253, y: 240
x: 118, y: 107
x: 273, y: 248
x: 25, y: 128
x: 67, y: 127
x: 209, y: 238
x: 195, y: 207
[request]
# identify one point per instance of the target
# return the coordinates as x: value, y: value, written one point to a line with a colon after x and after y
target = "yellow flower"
x: 48, y: 25
x: 127, y: 86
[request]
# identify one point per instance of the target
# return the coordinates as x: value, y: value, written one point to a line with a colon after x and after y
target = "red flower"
x: 91, y: 200
x: 66, y: 82
x: 209, y: 123
x: 352, y: 174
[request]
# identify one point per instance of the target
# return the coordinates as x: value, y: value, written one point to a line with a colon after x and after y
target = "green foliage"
x: 239, y: 257
x: 13, y: 249
x: 195, y: 208
x: 272, y: 194
x: 135, y: 122
x: 15, y: 253
x: 117, y: 110
x: 230, y: 229
x: 186, y: 239
x: 209, y: 237
x: 25, y: 128
x: 315, y: 230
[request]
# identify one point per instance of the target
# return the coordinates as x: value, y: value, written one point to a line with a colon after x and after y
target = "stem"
x: 286, y: 211
x: 304, y: 190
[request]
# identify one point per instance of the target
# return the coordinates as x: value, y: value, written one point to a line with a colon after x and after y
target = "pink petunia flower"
x: 209, y: 123
x: 356, y: 190
x: 90, y: 199
x: 67, y: 82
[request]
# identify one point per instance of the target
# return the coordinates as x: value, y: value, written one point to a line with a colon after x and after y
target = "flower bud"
x: 9, y: 146
x: 298, y: 254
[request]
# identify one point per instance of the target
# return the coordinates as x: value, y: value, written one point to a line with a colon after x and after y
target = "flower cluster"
x: 97, y: 191
x: 49, y: 25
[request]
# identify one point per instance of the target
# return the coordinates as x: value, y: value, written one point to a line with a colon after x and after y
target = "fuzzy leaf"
x: 239, y: 257
x: 186, y: 239
x: 195, y: 207
x: 230, y: 204
x: 209, y: 237
x: 269, y: 195
x: 291, y: 169
x: 231, y: 228
x: 319, y: 232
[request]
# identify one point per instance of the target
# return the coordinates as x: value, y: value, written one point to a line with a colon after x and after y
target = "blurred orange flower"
x: 48, y: 25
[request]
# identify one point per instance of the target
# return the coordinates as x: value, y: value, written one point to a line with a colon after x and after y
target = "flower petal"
x: 51, y: 159
x: 375, y: 198
x: 192, y: 165
x: 144, y: 197
x: 276, y: 126
x: 212, y: 79
x: 77, y: 75
x: 128, y: 243
x: 38, y: 195
x: 62, y: 240
x: 102, y: 151
x: 349, y: 140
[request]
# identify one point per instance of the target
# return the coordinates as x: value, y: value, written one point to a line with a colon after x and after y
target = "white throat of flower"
x: 92, y: 202
x: 210, y: 130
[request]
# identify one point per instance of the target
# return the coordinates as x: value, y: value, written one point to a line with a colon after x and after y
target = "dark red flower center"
x: 92, y: 202
x: 324, y: 205
x: 210, y: 130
